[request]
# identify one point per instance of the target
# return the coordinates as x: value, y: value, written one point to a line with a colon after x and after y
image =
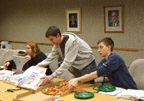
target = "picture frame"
x: 73, y: 19
x: 114, y: 19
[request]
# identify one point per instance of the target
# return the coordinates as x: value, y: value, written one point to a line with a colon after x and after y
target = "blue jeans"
x: 86, y: 70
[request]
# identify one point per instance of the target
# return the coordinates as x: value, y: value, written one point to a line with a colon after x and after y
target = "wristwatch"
x: 79, y: 80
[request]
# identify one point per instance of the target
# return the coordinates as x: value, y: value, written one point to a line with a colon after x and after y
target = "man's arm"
x: 50, y: 58
x: 88, y: 77
x: 74, y: 82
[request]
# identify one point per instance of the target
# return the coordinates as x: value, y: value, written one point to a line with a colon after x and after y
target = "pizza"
x: 59, y: 89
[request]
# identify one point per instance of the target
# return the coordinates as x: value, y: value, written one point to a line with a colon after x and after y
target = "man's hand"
x: 73, y: 83
x: 47, y: 79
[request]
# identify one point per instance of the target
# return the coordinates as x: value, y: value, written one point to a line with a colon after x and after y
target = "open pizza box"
x: 5, y: 73
x: 30, y: 79
x: 38, y: 95
x: 24, y: 93
x: 57, y: 88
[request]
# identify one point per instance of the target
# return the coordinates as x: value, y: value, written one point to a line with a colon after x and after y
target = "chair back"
x: 136, y: 70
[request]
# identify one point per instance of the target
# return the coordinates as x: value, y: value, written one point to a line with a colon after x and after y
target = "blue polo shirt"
x: 117, y: 72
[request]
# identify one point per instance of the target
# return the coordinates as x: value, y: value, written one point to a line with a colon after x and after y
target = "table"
x: 97, y: 96
x: 8, y: 96
x: 29, y: 95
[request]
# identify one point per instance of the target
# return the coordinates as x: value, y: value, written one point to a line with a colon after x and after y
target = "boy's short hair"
x: 107, y: 41
x: 52, y: 31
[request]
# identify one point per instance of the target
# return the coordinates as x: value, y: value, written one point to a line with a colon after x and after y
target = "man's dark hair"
x: 52, y: 31
x: 107, y: 41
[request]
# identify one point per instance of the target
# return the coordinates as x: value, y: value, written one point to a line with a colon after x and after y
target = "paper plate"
x: 84, y: 95
x: 106, y: 88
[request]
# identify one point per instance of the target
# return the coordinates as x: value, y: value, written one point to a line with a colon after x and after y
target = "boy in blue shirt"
x: 112, y: 65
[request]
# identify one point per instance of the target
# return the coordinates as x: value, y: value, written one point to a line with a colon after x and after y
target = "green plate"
x: 106, y: 88
x: 84, y: 95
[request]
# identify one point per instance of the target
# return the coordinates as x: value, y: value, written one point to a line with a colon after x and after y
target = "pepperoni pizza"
x: 59, y: 89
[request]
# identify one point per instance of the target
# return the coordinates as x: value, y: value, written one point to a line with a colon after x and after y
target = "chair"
x: 8, y: 55
x: 136, y: 70
x: 2, y: 53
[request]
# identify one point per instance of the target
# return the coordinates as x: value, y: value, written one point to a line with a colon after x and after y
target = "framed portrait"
x: 114, y: 19
x: 73, y: 19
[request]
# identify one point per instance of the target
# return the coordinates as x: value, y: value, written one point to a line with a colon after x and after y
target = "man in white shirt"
x: 76, y: 54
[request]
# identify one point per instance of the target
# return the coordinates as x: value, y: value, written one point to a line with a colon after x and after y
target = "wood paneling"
x: 93, y: 47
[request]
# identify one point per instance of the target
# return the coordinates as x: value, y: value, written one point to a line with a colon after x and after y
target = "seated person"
x: 112, y: 65
x: 33, y: 57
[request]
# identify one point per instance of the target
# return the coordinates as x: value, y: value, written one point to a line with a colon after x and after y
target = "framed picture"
x: 73, y: 19
x: 114, y: 19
